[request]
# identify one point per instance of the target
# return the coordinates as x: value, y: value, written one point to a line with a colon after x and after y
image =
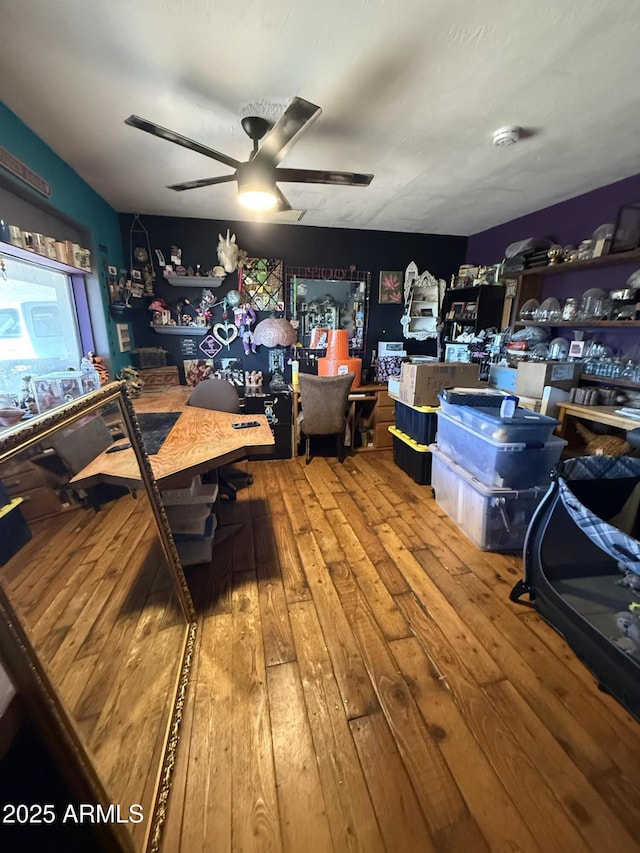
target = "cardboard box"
x: 533, y: 376
x: 420, y: 383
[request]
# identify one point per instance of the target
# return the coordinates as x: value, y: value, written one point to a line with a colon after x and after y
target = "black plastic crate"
x: 419, y: 423
x: 414, y: 459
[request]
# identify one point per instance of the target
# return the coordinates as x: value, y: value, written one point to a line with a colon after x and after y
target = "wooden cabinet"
x: 471, y: 309
x: 27, y: 480
x: 372, y: 413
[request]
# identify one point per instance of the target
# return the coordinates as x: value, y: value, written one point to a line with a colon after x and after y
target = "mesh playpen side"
x: 582, y: 568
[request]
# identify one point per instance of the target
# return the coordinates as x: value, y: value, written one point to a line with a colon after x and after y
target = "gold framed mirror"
x: 97, y: 626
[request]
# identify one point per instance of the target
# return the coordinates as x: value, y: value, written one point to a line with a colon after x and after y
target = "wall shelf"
x: 627, y: 324
x: 180, y: 330
x: 195, y: 280
x: 593, y: 263
x: 609, y: 380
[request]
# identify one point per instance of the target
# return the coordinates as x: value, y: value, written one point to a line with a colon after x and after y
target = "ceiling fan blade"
x: 203, y: 182
x: 282, y: 204
x: 293, y: 122
x: 318, y: 176
x: 172, y: 136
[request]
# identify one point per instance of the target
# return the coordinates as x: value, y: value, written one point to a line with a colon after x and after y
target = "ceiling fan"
x: 257, y: 176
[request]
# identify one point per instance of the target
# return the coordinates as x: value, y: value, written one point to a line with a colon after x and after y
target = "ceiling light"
x: 257, y: 187
x: 507, y: 135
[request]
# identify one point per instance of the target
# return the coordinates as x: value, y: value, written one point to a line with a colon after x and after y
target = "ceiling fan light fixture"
x: 257, y: 199
x: 256, y: 188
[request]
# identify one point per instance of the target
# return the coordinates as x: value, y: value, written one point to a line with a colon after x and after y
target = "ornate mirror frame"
x: 30, y: 676
x: 360, y: 291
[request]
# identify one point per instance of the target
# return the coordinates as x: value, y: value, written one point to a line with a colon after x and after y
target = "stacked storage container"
x: 489, y: 473
x: 192, y: 520
x: 414, y: 431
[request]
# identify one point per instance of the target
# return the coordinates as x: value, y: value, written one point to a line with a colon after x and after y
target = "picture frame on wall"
x: 391, y: 287
x: 456, y: 311
x: 626, y: 235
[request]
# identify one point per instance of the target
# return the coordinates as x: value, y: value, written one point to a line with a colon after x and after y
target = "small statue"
x: 132, y: 379
x: 253, y: 381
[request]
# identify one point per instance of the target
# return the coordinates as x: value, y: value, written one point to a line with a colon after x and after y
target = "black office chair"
x: 220, y: 396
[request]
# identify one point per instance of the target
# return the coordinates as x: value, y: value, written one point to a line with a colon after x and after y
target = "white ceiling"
x: 411, y: 91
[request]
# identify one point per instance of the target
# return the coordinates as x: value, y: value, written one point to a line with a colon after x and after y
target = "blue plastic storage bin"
x: 418, y: 422
x: 494, y: 519
x: 513, y: 465
x: 530, y: 427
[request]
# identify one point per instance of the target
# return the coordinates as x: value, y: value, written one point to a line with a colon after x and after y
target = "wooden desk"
x: 199, y: 441
x: 369, y: 403
x: 600, y: 414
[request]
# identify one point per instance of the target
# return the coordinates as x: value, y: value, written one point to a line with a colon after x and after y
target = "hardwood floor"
x: 362, y: 683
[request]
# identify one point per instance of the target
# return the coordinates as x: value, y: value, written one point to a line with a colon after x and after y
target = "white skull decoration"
x: 228, y: 252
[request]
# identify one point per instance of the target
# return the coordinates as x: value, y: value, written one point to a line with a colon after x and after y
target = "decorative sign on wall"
x: 27, y: 175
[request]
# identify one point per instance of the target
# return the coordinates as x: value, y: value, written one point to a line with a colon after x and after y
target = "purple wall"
x: 567, y: 222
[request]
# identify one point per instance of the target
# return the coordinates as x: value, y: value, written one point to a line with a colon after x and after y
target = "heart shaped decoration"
x: 225, y: 333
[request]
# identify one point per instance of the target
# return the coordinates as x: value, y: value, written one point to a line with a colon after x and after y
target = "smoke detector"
x: 507, y: 136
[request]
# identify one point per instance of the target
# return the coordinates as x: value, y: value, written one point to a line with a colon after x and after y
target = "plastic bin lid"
x: 521, y: 417
x: 473, y: 397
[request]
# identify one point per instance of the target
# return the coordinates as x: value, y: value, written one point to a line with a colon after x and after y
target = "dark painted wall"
x: 297, y: 245
x: 569, y: 222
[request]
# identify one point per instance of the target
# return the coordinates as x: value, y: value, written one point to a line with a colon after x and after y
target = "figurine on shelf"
x: 132, y: 379
x: 161, y: 312
x: 97, y: 362
x: 245, y: 317
x: 253, y: 381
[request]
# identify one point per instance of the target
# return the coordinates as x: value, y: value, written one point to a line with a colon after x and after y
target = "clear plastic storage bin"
x: 512, y: 465
x: 527, y: 426
x: 493, y: 519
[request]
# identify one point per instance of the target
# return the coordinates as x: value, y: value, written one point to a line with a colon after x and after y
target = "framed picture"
x: 576, y: 349
x: 470, y: 310
x: 456, y: 311
x: 391, y: 288
x: 626, y: 235
x: 197, y: 369
x: 318, y: 338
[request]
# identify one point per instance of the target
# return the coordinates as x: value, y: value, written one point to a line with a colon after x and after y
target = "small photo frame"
x: 470, y: 310
x: 456, y: 311
x: 318, y: 338
x: 391, y: 287
x: 112, y: 270
x: 626, y: 236
x: 576, y: 349
x: 136, y: 275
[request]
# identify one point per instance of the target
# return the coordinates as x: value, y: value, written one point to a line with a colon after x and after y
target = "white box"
x: 390, y: 348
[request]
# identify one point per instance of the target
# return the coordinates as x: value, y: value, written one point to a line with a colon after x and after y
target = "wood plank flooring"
x: 362, y: 683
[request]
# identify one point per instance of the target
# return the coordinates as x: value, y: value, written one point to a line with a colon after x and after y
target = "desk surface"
x: 200, y: 440
x: 600, y: 414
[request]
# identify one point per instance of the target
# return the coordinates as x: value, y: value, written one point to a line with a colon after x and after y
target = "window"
x: 38, y: 324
